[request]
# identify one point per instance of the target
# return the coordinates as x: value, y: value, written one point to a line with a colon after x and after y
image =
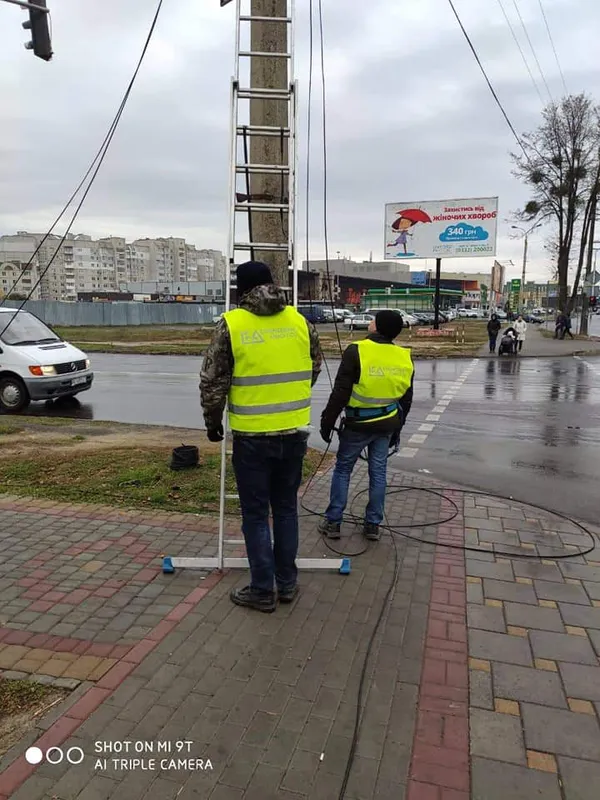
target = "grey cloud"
x: 416, y: 123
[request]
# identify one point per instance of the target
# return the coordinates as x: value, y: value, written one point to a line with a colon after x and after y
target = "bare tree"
x: 560, y: 164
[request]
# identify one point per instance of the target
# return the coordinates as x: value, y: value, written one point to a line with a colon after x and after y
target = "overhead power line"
x: 553, y: 46
x: 92, y: 170
x: 526, y: 32
x: 487, y: 80
x: 523, y: 56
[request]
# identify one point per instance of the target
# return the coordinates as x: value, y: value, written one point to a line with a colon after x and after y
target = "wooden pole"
x: 270, y: 73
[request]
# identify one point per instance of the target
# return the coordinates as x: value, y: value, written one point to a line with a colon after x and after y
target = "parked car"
x: 313, y: 313
x: 408, y: 319
x: 36, y: 364
x: 468, y: 313
x: 359, y: 321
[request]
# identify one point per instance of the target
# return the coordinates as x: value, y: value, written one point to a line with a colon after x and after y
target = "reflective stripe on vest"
x: 385, y: 376
x: 272, y: 374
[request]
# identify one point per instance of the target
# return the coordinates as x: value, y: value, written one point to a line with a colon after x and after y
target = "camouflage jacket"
x: 217, y: 368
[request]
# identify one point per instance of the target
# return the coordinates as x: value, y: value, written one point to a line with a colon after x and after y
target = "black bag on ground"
x: 185, y: 457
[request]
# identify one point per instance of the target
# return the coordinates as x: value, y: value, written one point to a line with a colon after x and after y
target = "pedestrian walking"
x: 559, y: 326
x: 374, y: 390
x: 521, y: 330
x: 567, y: 326
x: 263, y: 360
x: 493, y: 329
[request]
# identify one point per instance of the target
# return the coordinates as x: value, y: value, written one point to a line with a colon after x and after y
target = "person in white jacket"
x: 521, y: 329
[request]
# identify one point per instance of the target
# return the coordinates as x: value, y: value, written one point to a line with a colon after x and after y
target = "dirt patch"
x: 22, y: 704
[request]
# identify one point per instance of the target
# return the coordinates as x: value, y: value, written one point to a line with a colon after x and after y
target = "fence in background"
x: 56, y: 312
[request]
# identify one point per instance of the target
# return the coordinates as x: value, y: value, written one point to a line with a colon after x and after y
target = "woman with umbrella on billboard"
x: 407, y: 218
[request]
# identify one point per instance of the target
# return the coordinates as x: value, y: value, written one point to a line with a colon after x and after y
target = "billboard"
x: 419, y: 278
x: 441, y: 229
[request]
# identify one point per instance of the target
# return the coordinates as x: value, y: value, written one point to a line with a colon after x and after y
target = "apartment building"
x: 83, y: 264
x: 17, y: 276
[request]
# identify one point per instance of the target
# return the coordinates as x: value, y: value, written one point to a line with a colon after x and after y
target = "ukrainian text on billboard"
x: 441, y: 229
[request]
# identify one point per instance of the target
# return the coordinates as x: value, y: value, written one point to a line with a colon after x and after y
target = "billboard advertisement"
x: 419, y: 278
x: 441, y: 229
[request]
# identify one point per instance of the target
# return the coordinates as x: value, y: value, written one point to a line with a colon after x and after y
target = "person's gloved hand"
x: 215, y: 434
x: 326, y: 434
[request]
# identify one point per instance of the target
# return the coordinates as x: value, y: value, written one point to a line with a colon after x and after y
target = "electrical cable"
x: 553, y: 46
x: 526, y: 32
x: 518, y: 43
x: 92, y: 170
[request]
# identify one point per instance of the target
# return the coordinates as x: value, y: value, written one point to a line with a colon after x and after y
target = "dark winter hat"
x: 388, y: 324
x: 250, y: 275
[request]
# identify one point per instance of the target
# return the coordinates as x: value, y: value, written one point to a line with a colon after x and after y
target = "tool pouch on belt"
x: 184, y: 457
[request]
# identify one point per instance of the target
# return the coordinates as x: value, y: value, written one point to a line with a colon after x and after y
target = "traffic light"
x: 39, y: 26
x: 593, y: 301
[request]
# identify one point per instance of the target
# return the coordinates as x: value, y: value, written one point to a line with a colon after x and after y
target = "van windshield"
x: 22, y: 328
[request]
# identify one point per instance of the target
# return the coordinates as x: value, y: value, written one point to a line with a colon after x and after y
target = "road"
x: 527, y: 428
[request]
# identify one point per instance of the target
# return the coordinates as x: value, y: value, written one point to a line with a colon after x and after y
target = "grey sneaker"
x: 288, y: 595
x: 330, y: 529
x: 258, y: 601
x: 372, y: 532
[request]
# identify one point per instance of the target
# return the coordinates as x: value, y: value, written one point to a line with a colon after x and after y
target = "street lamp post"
x: 525, y: 245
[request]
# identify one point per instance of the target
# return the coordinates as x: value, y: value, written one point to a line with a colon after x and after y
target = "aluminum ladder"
x: 242, y: 203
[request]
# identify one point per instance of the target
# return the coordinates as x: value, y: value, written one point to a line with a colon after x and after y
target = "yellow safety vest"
x: 272, y: 371
x: 385, y: 376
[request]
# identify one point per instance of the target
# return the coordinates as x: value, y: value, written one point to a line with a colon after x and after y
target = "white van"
x: 36, y: 364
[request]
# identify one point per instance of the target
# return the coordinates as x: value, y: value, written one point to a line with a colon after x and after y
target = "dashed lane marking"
x: 429, y: 425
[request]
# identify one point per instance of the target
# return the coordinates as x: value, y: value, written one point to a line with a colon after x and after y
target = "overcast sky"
x: 409, y: 115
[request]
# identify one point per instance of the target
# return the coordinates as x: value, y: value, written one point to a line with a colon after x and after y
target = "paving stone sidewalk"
x: 506, y: 708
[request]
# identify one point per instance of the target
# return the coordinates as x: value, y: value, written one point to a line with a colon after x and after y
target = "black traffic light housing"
x: 39, y: 25
x: 593, y: 301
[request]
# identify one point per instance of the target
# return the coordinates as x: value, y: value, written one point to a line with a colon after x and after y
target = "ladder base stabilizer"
x: 171, y: 563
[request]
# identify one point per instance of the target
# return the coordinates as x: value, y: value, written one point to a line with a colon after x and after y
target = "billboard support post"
x: 438, y: 274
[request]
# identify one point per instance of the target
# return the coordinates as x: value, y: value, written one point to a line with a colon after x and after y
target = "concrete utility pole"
x: 525, y: 247
x: 270, y: 73
x: 587, y: 281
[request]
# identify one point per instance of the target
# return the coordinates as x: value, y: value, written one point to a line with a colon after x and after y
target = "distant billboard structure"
x: 441, y: 229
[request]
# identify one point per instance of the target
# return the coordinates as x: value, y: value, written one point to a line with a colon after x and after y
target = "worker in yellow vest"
x: 263, y: 360
x: 374, y: 387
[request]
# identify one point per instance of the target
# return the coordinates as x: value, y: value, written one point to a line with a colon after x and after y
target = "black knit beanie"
x: 250, y: 275
x: 388, y: 324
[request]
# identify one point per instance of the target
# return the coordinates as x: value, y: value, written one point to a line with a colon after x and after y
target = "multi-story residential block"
x: 83, y: 264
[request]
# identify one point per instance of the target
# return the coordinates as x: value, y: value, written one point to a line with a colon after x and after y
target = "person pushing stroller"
x: 508, y: 342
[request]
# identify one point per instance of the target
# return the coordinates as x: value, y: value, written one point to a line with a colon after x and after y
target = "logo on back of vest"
x: 251, y: 337
x: 381, y: 372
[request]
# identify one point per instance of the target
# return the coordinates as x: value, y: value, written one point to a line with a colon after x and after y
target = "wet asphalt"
x: 526, y: 428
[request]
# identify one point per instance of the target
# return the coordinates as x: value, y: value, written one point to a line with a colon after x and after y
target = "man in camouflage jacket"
x: 267, y: 466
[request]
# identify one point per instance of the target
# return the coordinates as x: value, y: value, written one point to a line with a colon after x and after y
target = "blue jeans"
x: 268, y: 472
x: 352, y: 443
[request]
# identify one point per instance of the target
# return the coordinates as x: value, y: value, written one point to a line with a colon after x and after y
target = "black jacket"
x: 348, y: 375
x: 494, y: 326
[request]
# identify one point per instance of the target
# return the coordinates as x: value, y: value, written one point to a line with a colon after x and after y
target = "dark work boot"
x: 288, y: 595
x: 330, y: 529
x: 372, y: 532
x: 250, y: 598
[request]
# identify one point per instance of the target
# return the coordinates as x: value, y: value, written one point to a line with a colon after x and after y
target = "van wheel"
x: 14, y: 396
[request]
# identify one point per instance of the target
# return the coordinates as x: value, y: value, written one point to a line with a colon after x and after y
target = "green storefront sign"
x: 515, y: 293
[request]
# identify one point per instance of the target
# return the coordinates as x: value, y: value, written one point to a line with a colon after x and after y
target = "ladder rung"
x: 231, y: 497
x: 261, y: 130
x: 264, y: 94
x: 261, y: 54
x: 247, y: 18
x: 260, y: 246
x: 262, y: 207
x: 262, y: 168
x: 233, y: 541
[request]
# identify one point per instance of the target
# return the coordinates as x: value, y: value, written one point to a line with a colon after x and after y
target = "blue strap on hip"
x: 370, y: 413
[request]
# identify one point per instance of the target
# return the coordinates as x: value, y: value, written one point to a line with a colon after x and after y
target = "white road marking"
x: 438, y: 410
